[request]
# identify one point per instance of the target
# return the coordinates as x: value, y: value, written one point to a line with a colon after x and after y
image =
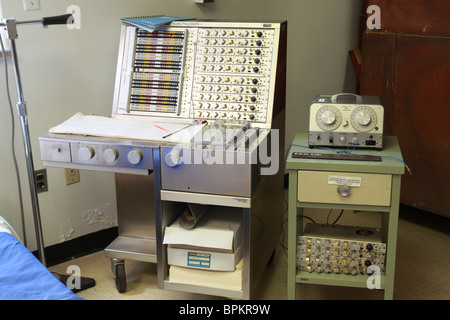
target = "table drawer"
x: 344, y: 188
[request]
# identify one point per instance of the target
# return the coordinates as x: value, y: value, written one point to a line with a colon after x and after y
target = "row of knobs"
x: 110, y: 155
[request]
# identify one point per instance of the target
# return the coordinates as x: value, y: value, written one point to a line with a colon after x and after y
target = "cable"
x: 337, y: 219
x: 13, y: 151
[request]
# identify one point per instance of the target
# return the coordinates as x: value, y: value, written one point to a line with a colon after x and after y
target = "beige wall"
x: 66, y: 71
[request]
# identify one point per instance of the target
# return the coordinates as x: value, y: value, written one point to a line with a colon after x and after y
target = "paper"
x: 127, y: 129
x: 151, y: 22
x: 192, y: 215
x: 229, y: 280
x: 220, y: 228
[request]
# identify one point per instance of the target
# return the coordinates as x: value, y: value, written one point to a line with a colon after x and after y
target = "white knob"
x: 363, y: 118
x: 135, y: 156
x: 328, y: 117
x: 110, y: 155
x: 86, y: 153
x: 173, y: 158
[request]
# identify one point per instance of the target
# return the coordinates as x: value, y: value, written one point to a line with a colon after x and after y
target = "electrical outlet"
x: 72, y: 176
x: 29, y: 5
x: 40, y: 180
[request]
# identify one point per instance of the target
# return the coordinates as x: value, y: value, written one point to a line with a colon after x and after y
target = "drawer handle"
x: 343, y: 191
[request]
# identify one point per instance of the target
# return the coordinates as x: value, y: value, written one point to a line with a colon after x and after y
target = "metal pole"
x: 22, y: 112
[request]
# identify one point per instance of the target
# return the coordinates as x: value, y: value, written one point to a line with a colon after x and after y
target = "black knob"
x: 255, y: 69
x: 255, y: 81
x: 257, y: 61
x: 369, y: 247
x: 257, y: 52
x: 259, y: 43
x: 259, y: 34
x: 253, y: 99
x: 368, y: 263
x: 254, y: 90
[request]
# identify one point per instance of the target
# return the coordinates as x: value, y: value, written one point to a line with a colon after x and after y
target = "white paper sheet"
x: 128, y: 129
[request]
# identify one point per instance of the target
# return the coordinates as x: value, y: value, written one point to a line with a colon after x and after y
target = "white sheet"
x: 127, y: 129
x: 6, y: 227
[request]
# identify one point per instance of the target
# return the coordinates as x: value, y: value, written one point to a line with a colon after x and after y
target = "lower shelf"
x: 232, y: 294
x: 139, y: 249
x: 339, y: 279
x: 220, y: 283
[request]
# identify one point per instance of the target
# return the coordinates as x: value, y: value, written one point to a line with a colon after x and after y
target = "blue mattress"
x: 24, y: 277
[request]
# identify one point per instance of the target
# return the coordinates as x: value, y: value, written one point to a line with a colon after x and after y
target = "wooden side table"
x: 379, y: 191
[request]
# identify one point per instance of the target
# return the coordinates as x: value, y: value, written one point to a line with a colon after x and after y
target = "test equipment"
x: 346, y: 120
x: 340, y: 249
x: 228, y: 74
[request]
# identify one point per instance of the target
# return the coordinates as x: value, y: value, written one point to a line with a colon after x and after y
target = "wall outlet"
x: 40, y: 180
x: 29, y: 5
x: 72, y: 176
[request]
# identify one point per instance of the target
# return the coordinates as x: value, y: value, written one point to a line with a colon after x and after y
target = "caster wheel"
x: 121, y: 280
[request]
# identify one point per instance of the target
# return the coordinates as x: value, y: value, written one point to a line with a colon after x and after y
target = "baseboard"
x: 79, y: 247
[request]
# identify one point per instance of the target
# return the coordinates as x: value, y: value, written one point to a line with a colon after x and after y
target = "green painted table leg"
x: 292, y: 234
x: 391, y: 240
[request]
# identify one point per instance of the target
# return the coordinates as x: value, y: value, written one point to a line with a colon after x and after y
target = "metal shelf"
x: 232, y: 294
x: 335, y: 279
x: 132, y: 248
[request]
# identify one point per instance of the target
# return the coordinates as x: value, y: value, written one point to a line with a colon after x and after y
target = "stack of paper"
x: 213, y: 244
x: 228, y: 280
x: 210, y: 254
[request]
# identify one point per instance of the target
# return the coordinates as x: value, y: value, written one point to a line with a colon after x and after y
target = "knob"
x: 328, y: 117
x: 363, y: 118
x: 173, y: 158
x: 110, y: 154
x: 135, y: 156
x: 343, y: 191
x: 86, y: 153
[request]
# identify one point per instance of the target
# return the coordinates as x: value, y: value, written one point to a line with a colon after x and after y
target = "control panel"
x: 344, y: 123
x: 199, y: 70
x: 340, y: 249
x: 86, y: 152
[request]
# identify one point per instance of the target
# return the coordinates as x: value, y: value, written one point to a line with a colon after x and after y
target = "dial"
x: 363, y: 119
x: 135, y: 156
x: 328, y: 118
x: 86, y: 153
x: 110, y: 155
x: 173, y: 158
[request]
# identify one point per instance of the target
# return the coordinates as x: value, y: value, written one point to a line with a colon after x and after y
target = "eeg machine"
x: 213, y: 94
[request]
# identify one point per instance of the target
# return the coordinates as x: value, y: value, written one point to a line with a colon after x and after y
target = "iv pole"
x: 10, y: 25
